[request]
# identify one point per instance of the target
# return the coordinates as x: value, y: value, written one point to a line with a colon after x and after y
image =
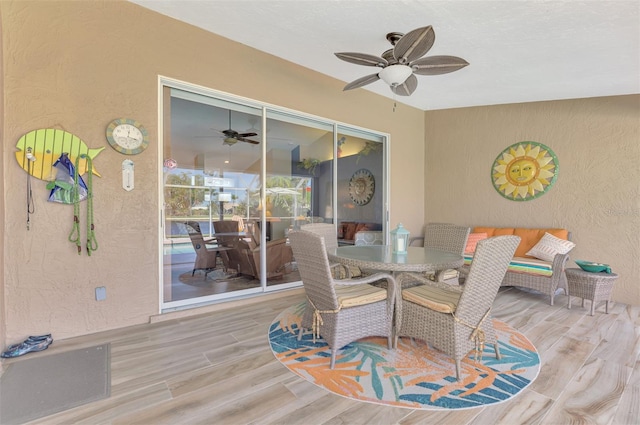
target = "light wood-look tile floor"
x: 217, y: 368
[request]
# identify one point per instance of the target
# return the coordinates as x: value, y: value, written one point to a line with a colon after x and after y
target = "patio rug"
x: 45, y: 384
x: 412, y: 376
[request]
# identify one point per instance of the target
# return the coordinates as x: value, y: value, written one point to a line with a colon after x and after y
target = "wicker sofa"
x: 526, y: 271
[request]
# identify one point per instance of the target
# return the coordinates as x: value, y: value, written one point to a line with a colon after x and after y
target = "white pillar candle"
x: 400, y: 244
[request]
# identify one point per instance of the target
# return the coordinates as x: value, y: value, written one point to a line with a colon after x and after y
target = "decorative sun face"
x: 362, y: 187
x: 524, y: 171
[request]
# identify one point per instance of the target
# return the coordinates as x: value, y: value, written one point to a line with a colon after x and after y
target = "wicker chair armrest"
x: 407, y: 280
x: 414, y: 239
x: 368, y: 279
x: 336, y: 271
x: 559, y: 261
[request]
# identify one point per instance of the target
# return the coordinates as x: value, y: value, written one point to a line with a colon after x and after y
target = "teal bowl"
x: 589, y: 266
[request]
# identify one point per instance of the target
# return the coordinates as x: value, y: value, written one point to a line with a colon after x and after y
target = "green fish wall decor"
x: 46, y: 145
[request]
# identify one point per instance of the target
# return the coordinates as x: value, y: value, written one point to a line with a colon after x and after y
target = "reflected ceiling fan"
x: 231, y: 136
x: 401, y: 63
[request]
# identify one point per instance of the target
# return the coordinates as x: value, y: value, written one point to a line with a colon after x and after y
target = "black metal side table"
x: 591, y: 286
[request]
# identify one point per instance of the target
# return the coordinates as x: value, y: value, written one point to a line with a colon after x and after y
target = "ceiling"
x: 518, y: 51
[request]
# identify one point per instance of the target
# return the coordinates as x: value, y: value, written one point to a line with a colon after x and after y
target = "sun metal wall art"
x: 524, y: 171
x: 362, y: 186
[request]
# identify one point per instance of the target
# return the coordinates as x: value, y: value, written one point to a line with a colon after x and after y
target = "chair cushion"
x: 354, y: 271
x: 437, y: 299
x: 353, y: 295
x: 547, y: 248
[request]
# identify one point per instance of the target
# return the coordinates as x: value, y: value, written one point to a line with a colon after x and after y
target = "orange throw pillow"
x: 473, y: 240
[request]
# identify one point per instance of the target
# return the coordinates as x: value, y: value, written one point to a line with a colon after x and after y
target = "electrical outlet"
x: 101, y: 293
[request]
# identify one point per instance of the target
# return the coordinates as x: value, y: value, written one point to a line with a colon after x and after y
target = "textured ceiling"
x: 519, y: 51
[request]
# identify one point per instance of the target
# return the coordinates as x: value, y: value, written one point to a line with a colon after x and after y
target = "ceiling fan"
x: 400, y: 63
x: 232, y: 136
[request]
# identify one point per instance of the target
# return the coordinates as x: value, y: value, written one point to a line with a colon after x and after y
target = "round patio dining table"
x: 382, y: 258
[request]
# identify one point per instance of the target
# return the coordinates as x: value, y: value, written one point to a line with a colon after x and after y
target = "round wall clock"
x: 127, y: 136
x: 524, y: 171
x: 362, y: 186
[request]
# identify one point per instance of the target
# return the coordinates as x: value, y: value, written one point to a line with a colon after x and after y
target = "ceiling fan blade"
x: 362, y: 59
x: 406, y: 88
x: 253, y: 142
x: 361, y: 82
x: 436, y: 65
x: 414, y: 44
x: 247, y: 134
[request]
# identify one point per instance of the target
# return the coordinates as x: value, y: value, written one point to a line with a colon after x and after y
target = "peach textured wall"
x: 2, y: 308
x: 77, y: 66
x: 596, y: 195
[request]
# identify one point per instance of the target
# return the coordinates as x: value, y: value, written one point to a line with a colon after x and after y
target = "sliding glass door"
x: 237, y: 176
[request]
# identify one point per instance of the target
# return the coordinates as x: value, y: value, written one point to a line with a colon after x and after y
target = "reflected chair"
x: 457, y: 320
x: 206, y: 259
x: 227, y: 234
x: 341, y: 311
x: 278, y: 252
x: 445, y: 237
x: 243, y: 255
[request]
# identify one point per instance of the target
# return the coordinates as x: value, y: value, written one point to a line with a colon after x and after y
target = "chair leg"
x: 498, y: 355
x: 333, y: 357
x: 457, y: 370
x: 389, y: 342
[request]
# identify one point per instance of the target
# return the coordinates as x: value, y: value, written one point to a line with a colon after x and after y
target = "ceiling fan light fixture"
x: 395, y: 75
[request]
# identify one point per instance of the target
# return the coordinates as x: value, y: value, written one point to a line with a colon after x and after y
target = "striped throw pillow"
x: 547, y: 248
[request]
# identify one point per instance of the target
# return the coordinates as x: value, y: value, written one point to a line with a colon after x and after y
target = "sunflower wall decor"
x: 362, y: 186
x: 524, y: 171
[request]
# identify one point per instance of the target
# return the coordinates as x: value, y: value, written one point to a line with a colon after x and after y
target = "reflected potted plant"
x: 309, y: 165
x: 368, y: 148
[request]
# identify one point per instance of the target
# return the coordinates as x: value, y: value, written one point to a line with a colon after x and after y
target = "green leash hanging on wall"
x: 74, y: 236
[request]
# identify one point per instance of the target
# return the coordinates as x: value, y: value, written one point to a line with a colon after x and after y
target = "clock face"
x: 127, y: 136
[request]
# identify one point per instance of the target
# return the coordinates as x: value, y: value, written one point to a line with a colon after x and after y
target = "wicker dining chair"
x: 342, y: 311
x: 455, y: 320
x: 445, y: 237
x: 328, y: 231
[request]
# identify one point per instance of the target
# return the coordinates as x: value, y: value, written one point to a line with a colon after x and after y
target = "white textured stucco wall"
x: 596, y: 195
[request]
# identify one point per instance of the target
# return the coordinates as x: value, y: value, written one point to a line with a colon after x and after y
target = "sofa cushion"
x: 472, y: 241
x: 349, y: 229
x: 547, y: 248
x: 528, y: 237
x: 523, y: 265
x: 531, y: 266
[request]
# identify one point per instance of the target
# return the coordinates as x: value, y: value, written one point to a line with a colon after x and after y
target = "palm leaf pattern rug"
x: 413, y: 375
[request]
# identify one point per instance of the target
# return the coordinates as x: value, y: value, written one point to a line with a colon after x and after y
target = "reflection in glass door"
x: 237, y: 176
x: 212, y: 167
x: 361, y: 185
